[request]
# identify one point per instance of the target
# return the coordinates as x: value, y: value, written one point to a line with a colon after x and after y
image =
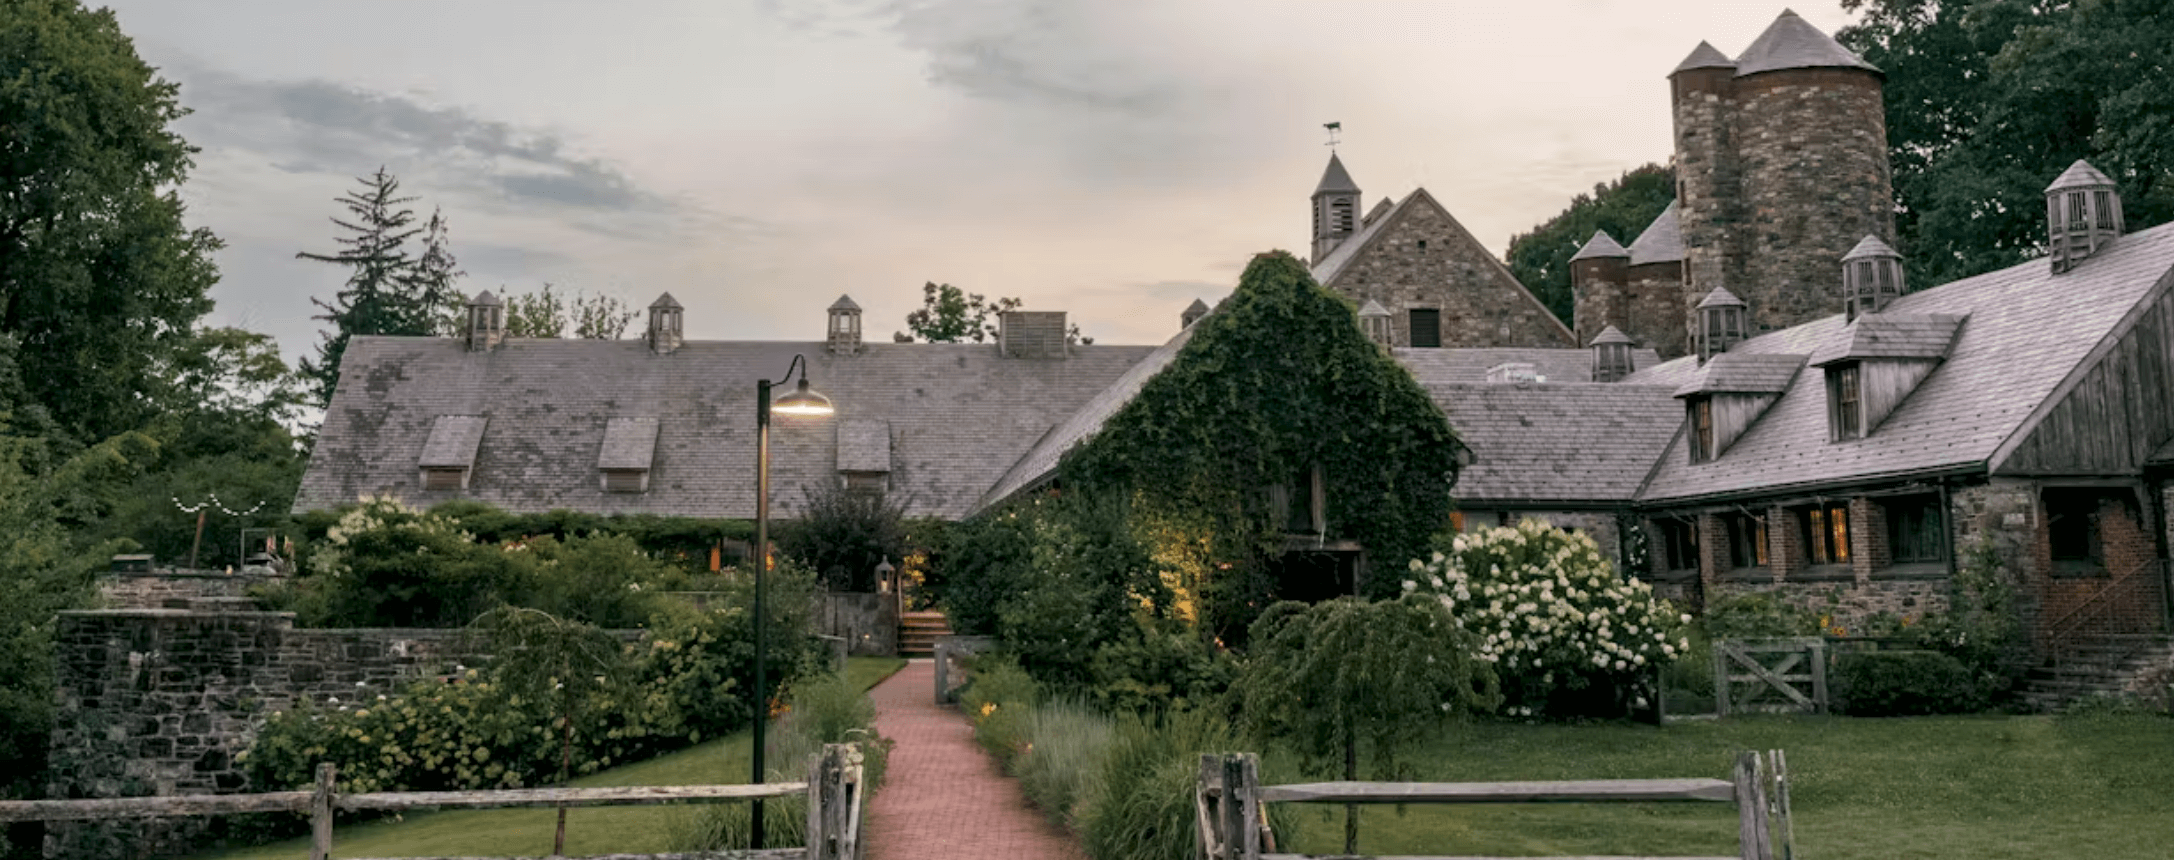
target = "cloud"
x: 316, y: 126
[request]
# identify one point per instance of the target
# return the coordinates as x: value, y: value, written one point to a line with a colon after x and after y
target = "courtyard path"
x: 945, y: 799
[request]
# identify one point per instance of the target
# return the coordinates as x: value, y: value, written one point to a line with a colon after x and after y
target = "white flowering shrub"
x: 1565, y: 633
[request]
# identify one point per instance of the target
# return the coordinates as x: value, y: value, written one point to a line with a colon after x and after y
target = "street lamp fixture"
x: 803, y: 401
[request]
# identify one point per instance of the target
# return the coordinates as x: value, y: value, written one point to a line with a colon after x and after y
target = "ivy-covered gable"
x: 1277, y: 382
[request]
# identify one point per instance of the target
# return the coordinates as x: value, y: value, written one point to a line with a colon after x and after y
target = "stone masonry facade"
x: 159, y: 702
x: 178, y: 590
x: 1424, y: 259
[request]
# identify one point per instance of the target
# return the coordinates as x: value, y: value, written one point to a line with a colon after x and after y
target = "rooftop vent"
x: 1871, y: 277
x: 1374, y: 320
x: 2083, y: 215
x: 1611, y: 355
x: 1031, y: 334
x: 665, y: 333
x: 1193, y: 313
x: 1721, y: 323
x: 486, y: 322
x: 1517, y: 372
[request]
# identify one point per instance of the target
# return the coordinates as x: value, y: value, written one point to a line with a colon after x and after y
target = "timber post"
x: 320, y: 813
x: 834, y: 811
x: 1227, y: 805
x: 1752, y: 827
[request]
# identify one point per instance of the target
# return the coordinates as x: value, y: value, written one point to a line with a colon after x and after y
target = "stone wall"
x: 180, y: 589
x: 1425, y: 259
x: 159, y: 701
x: 1848, y: 604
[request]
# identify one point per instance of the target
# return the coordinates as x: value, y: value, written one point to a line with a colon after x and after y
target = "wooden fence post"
x: 815, y: 807
x: 1207, y: 796
x: 835, y: 789
x: 320, y: 813
x: 1751, y: 808
x: 1721, y: 678
x: 1787, y: 838
x: 1819, y: 675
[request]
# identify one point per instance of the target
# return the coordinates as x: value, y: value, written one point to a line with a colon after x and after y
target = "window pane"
x: 1426, y: 327
x: 1838, y: 523
x: 1816, y: 535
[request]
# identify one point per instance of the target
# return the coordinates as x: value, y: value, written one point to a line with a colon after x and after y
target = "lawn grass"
x: 528, y: 832
x: 1890, y: 789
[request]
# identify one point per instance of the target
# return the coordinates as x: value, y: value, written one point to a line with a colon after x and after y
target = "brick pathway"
x: 945, y: 799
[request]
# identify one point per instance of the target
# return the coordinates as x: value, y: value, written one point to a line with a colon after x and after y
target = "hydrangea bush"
x: 1566, y: 634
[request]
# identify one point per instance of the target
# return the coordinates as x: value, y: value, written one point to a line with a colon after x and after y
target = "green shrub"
x: 843, y: 534
x: 1158, y: 665
x: 1904, y: 683
x: 998, y: 696
x: 600, y: 579
x: 1757, y: 615
x: 1061, y: 762
x: 1142, y: 808
x: 826, y: 709
x: 386, y: 565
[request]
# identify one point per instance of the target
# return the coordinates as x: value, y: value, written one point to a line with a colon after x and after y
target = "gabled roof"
x: 1576, y: 442
x: 960, y: 415
x: 1373, y: 309
x: 1380, y: 209
x: 1721, y: 297
x: 2028, y: 332
x: 1326, y: 271
x: 1601, y: 245
x: 1891, y: 335
x: 1743, y: 373
x: 1611, y: 334
x: 1335, y: 179
x: 1793, y: 43
x: 1662, y: 241
x: 1705, y: 56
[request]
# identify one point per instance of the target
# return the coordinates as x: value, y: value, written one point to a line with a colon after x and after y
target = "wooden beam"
x: 153, y: 807
x: 1625, y: 790
x: 765, y: 854
x: 633, y: 795
x: 1463, y: 857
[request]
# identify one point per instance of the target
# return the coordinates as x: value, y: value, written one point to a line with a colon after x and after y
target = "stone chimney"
x: 1031, y: 334
x: 845, y: 327
x: 2083, y: 215
x: 1871, y: 277
x: 486, y: 322
x: 665, y: 332
x: 1611, y: 355
x: 1192, y: 314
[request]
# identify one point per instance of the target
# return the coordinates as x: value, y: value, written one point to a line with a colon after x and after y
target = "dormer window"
x: 624, y: 460
x: 449, y: 453
x: 1702, y: 429
x: 1845, y: 402
x: 1871, y: 277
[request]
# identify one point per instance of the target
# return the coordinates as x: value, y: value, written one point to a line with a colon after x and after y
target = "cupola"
x: 1722, y: 321
x: 665, y: 325
x: 1335, y: 208
x: 1611, y: 355
x: 1871, y: 277
x: 845, y: 326
x: 486, y: 322
x: 1374, y: 320
x: 1192, y: 314
x: 2083, y: 215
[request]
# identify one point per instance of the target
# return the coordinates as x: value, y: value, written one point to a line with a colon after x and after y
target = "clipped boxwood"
x: 1905, y: 683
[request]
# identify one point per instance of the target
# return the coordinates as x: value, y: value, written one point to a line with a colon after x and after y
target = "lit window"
x: 1747, y: 541
x: 1826, y: 534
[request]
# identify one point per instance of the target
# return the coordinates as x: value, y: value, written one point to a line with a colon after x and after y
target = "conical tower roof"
x: 2080, y: 175
x: 1721, y: 297
x: 1705, y: 56
x: 1611, y: 334
x: 1197, y: 307
x: 665, y: 303
x: 1601, y: 245
x: 1662, y: 241
x: 1793, y: 43
x: 1870, y: 246
x: 1335, y: 180
x: 844, y: 303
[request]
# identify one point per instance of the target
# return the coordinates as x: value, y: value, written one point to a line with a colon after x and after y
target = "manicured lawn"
x: 527, y: 832
x: 1892, y: 789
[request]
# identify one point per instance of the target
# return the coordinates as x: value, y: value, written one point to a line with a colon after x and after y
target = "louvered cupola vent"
x: 1722, y: 322
x: 1871, y: 277
x: 486, y: 322
x: 2083, y: 215
x: 665, y: 325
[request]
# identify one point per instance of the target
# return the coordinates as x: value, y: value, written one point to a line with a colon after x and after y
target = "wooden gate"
x: 1770, y: 676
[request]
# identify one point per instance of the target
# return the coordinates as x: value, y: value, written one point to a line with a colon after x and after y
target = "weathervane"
x: 1334, y: 128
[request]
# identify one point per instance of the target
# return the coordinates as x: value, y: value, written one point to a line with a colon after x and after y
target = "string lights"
x: 213, y: 502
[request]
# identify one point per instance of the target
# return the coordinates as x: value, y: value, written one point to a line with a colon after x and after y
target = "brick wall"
x: 1868, y: 549
x: 2077, y: 608
x: 1713, y: 550
x: 1785, y: 554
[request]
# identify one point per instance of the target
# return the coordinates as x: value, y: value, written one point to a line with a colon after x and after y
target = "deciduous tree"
x: 1623, y: 207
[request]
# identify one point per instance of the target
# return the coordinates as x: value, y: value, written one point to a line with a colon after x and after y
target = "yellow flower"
x: 988, y: 708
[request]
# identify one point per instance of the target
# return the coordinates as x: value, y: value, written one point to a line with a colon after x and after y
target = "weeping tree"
x: 1348, y: 677
x: 552, y: 659
x: 1276, y: 390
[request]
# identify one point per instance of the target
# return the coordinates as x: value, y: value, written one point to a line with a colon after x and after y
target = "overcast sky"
x: 757, y: 158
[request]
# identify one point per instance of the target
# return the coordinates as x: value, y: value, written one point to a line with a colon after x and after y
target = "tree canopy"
x: 1278, y: 380
x: 951, y: 315
x: 389, y: 290
x: 99, y: 276
x: 1623, y: 207
x: 1989, y: 100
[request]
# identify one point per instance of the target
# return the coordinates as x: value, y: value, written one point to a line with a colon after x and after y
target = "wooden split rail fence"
x: 833, y: 790
x: 1229, y: 804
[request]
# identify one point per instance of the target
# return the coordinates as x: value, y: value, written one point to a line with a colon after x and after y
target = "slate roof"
x: 1705, y: 56
x: 1611, y: 334
x: 1335, y: 179
x: 2080, y: 175
x: 2028, y: 331
x: 1793, y: 43
x: 959, y: 414
x: 845, y: 303
x: 1040, y: 463
x: 1870, y: 246
x: 1328, y: 267
x: 1601, y: 245
x: 1549, y: 442
x: 1743, y: 373
x: 1721, y: 297
x: 452, y: 442
x: 1662, y: 241
x: 666, y: 302
x: 1447, y: 366
x: 1891, y: 335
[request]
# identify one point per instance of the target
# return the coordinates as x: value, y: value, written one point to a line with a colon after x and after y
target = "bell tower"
x: 1335, y: 209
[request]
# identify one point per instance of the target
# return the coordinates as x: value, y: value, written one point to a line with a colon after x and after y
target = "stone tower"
x: 1335, y: 209
x: 1781, y: 168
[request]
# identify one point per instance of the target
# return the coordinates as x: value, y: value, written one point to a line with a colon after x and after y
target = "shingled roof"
x: 1793, y: 43
x: 1662, y: 241
x: 958, y: 415
x: 1743, y: 373
x: 1891, y: 335
x: 2028, y: 331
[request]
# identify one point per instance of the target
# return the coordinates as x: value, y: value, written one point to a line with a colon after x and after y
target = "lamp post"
x: 802, y: 401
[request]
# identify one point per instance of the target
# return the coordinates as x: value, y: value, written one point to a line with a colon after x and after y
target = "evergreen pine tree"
x: 441, y: 307
x: 375, y: 299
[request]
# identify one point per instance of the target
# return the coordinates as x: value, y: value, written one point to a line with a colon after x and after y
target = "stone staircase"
x: 917, y: 633
x: 2103, y: 666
